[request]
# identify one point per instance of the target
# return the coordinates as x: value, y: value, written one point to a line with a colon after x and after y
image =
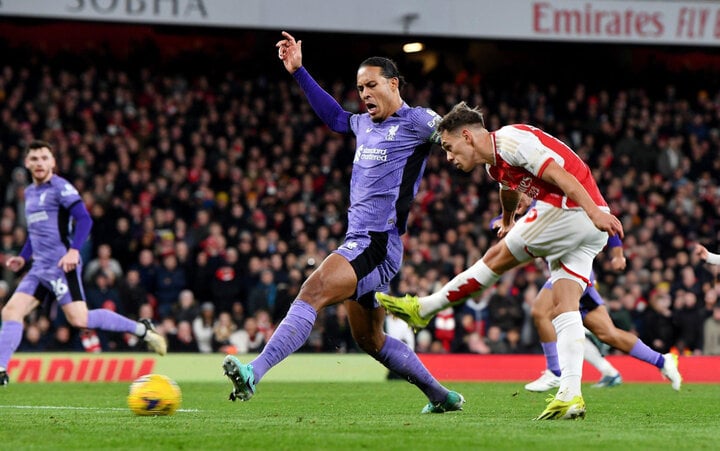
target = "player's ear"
x: 467, y: 135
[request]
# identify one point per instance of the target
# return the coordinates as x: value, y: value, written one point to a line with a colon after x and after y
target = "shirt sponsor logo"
x: 37, y: 217
x: 369, y: 153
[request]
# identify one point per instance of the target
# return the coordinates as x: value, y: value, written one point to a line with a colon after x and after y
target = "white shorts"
x: 566, y: 239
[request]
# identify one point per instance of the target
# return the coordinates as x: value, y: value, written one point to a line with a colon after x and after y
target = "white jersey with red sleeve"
x: 523, y: 152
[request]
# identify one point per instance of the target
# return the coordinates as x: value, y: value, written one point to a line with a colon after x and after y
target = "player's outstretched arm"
x: 325, y: 106
x: 557, y: 175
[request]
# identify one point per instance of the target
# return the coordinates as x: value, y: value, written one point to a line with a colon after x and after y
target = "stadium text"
x: 691, y: 23
x: 79, y: 370
x: 174, y: 8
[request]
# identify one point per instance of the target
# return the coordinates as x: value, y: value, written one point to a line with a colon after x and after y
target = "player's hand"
x: 503, y: 229
x: 15, y: 263
x: 608, y: 223
x: 290, y: 52
x: 701, y: 251
x: 618, y: 263
x: 69, y: 261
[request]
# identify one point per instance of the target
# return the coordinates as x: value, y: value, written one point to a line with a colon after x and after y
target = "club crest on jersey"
x: 42, y: 198
x: 392, y: 132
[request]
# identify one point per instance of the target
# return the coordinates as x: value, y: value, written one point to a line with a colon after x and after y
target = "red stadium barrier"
x: 523, y: 368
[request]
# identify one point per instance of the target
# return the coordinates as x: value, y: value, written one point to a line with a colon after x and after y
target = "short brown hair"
x: 460, y: 115
x: 38, y: 144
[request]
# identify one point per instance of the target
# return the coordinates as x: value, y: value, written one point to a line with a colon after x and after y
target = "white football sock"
x: 570, y: 344
x: 468, y: 283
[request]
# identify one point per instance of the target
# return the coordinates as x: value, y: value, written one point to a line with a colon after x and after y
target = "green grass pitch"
x: 369, y: 416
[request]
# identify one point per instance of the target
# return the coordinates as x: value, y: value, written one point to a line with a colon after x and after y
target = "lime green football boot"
x: 407, y: 308
x: 563, y: 410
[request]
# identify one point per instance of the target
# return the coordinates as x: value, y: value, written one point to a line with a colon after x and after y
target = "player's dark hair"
x: 388, y: 68
x: 460, y: 115
x: 38, y: 144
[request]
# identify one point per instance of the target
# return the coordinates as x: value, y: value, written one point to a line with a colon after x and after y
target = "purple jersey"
x: 390, y: 159
x: 47, y: 210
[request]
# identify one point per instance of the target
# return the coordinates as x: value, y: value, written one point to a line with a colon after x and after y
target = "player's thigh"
x: 19, y: 306
x: 332, y: 282
x: 566, y: 296
x: 542, y: 306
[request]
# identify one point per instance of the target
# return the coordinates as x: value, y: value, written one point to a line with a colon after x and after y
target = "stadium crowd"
x: 214, y: 194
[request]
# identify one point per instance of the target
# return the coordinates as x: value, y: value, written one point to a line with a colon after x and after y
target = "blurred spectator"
x: 226, y: 285
x: 62, y: 340
x: 102, y: 293
x: 186, y: 308
x: 249, y: 338
x: 444, y: 324
x: 711, y: 329
x: 182, y: 339
x: 688, y: 319
x: 132, y: 293
x: 104, y: 262
x: 264, y: 295
x: 147, y: 268
x: 32, y: 340
x: 265, y: 324
x: 170, y: 281
x: 203, y: 327
x: 658, y: 330
x: 495, y: 341
x: 223, y: 328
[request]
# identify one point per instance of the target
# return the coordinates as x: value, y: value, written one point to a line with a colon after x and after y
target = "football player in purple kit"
x: 393, y: 141
x: 52, y: 204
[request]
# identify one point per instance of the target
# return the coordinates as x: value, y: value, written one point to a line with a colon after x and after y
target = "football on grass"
x: 154, y: 394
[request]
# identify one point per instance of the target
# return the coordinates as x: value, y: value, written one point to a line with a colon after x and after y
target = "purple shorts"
x: 53, y: 282
x: 376, y: 258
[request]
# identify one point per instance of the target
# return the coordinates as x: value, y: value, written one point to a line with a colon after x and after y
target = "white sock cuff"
x: 483, y: 273
x: 566, y: 319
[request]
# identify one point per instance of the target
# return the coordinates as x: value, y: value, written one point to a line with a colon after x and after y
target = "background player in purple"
x: 393, y: 143
x: 51, y: 206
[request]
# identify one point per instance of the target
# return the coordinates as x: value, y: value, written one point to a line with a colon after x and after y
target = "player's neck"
x: 43, y: 180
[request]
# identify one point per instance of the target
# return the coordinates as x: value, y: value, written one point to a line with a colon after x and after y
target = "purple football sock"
x: 643, y: 352
x: 398, y: 357
x: 551, y: 357
x: 10, y: 336
x: 108, y: 320
x: 290, y: 335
